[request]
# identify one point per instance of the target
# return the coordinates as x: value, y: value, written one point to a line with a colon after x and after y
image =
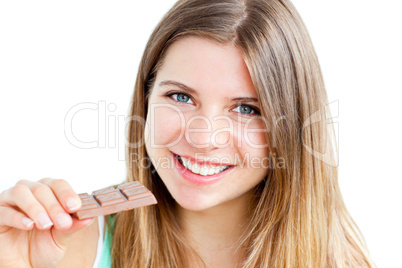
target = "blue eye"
x: 245, y: 109
x: 181, y: 97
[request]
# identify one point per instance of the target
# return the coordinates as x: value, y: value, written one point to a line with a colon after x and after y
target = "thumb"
x: 61, y: 237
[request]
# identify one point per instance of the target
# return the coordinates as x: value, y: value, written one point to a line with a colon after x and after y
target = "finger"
x: 64, y: 193
x: 46, y: 197
x: 12, y: 218
x: 20, y: 196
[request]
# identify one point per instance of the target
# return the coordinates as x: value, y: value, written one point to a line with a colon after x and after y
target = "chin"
x: 193, y: 207
x: 194, y: 202
x: 197, y: 207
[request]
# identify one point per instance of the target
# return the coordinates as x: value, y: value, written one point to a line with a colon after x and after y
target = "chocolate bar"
x: 110, y: 200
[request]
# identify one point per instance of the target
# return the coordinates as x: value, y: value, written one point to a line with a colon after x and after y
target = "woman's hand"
x: 35, y: 224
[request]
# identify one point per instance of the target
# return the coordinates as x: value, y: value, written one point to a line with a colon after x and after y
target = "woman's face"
x: 203, y: 131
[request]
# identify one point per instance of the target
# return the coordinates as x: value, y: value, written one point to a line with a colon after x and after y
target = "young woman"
x: 229, y: 131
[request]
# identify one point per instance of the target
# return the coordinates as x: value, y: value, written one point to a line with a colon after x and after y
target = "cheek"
x: 254, y: 135
x: 252, y: 139
x: 164, y: 126
x: 255, y: 139
x: 253, y: 150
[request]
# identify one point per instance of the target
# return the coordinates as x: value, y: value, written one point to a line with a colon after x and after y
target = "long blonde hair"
x: 299, y: 218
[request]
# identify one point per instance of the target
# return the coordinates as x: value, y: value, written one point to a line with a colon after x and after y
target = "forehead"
x: 206, y: 66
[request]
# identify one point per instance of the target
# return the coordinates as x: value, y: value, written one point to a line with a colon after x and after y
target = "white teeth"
x: 184, y: 161
x: 211, y: 171
x: 202, y: 170
x: 195, y: 168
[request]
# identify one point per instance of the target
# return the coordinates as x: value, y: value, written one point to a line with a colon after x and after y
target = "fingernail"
x: 27, y: 222
x: 63, y: 220
x: 72, y: 204
x: 92, y: 221
x: 44, y: 221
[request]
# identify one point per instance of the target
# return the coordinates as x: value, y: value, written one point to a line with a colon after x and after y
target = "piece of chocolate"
x: 110, y: 200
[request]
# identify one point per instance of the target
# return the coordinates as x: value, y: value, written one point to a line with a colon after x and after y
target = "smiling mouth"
x: 199, y: 169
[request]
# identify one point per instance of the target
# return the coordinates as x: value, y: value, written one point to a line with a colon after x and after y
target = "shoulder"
x: 82, y: 247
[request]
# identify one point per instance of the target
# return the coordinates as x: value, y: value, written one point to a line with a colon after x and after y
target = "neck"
x: 215, y: 232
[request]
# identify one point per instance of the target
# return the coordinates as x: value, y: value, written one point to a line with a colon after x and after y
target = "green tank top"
x: 106, y: 260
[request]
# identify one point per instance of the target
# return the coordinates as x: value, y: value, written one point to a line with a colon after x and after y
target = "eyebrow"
x: 179, y: 85
x: 194, y: 92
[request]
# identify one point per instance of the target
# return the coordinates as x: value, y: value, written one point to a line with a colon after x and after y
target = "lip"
x: 203, y: 162
x: 196, y: 178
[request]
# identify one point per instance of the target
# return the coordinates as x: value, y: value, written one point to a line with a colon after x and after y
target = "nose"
x: 209, y: 132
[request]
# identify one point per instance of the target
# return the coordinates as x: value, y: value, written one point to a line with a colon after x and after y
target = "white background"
x: 55, y: 55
